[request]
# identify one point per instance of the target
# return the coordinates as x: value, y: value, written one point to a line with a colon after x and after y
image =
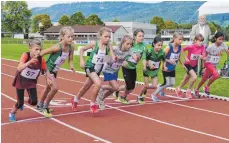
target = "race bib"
x: 30, y: 73
x: 116, y: 65
x: 59, y: 61
x: 214, y: 59
x: 174, y: 57
x: 99, y: 59
x: 194, y: 56
x: 155, y: 64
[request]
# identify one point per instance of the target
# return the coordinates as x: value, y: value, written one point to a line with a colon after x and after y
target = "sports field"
x: 219, y: 87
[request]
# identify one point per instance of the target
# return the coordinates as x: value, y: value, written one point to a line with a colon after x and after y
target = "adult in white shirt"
x: 202, y: 28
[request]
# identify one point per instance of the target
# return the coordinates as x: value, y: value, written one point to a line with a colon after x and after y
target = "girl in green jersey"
x: 93, y: 67
x: 151, y: 66
x: 58, y: 54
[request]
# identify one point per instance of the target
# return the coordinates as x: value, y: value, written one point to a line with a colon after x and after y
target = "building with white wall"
x: 149, y: 29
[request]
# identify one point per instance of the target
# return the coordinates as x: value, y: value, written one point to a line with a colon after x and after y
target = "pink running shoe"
x: 196, y: 93
x: 188, y: 93
x: 94, y: 108
x: 178, y: 92
x: 206, y: 90
x: 74, y: 105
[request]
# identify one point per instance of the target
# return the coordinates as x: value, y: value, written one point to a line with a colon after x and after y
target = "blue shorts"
x: 110, y: 76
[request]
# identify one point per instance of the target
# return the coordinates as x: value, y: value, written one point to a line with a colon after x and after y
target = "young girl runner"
x: 172, y: 55
x: 28, y: 71
x: 111, y: 68
x: 214, y: 53
x: 58, y: 54
x: 195, y: 51
x: 94, y: 66
x: 151, y: 65
x: 129, y: 66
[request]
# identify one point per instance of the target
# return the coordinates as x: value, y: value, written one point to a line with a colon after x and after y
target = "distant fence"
x: 27, y: 41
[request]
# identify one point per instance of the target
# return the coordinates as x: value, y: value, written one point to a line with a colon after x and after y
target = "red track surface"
x: 172, y: 120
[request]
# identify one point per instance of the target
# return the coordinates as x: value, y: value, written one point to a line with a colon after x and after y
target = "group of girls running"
x: 108, y: 59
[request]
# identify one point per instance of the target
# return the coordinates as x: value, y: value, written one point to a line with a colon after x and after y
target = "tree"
x: 93, y: 19
x: 170, y: 24
x: 185, y: 26
x: 77, y: 18
x: 115, y: 20
x: 159, y: 22
x: 214, y: 27
x: 41, y: 22
x: 64, y: 20
x: 227, y: 33
x: 16, y: 17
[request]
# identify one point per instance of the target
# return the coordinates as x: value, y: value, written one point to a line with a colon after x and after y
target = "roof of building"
x: 82, y: 28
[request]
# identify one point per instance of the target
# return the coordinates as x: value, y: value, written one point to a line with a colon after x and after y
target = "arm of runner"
x: 144, y: 64
x: 166, y: 51
x: 46, y: 72
x: 71, y: 59
x: 183, y: 53
x: 23, y: 64
x: 50, y: 50
x: 112, y: 53
x: 90, y: 46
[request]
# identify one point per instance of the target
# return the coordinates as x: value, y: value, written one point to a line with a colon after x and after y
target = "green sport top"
x: 154, y: 58
x: 55, y: 60
x: 138, y: 48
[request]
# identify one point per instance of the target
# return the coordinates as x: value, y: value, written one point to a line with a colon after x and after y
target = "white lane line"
x: 62, y: 123
x: 152, y: 119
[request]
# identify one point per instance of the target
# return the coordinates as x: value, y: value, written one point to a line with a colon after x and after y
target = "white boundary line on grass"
x: 177, y: 104
x: 62, y: 123
x: 141, y: 83
x: 155, y: 120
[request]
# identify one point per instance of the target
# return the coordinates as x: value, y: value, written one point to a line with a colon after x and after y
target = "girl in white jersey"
x: 214, y: 53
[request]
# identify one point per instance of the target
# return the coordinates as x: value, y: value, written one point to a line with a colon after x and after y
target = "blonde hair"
x: 35, y: 42
x: 64, y: 30
x: 104, y: 29
x: 124, y: 39
x: 176, y: 35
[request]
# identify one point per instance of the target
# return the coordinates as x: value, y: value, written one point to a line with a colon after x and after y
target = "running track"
x: 172, y: 120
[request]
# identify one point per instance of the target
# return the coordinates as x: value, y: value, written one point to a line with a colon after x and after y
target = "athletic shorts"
x: 189, y: 67
x: 150, y: 73
x: 110, y: 76
x: 90, y: 70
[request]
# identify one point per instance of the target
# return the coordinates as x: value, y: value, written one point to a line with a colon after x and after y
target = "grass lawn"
x: 219, y: 87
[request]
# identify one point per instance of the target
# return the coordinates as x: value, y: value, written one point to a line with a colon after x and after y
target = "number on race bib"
x: 214, y: 59
x: 98, y: 59
x: 174, y: 57
x: 30, y: 73
x: 155, y: 64
x: 194, y: 57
